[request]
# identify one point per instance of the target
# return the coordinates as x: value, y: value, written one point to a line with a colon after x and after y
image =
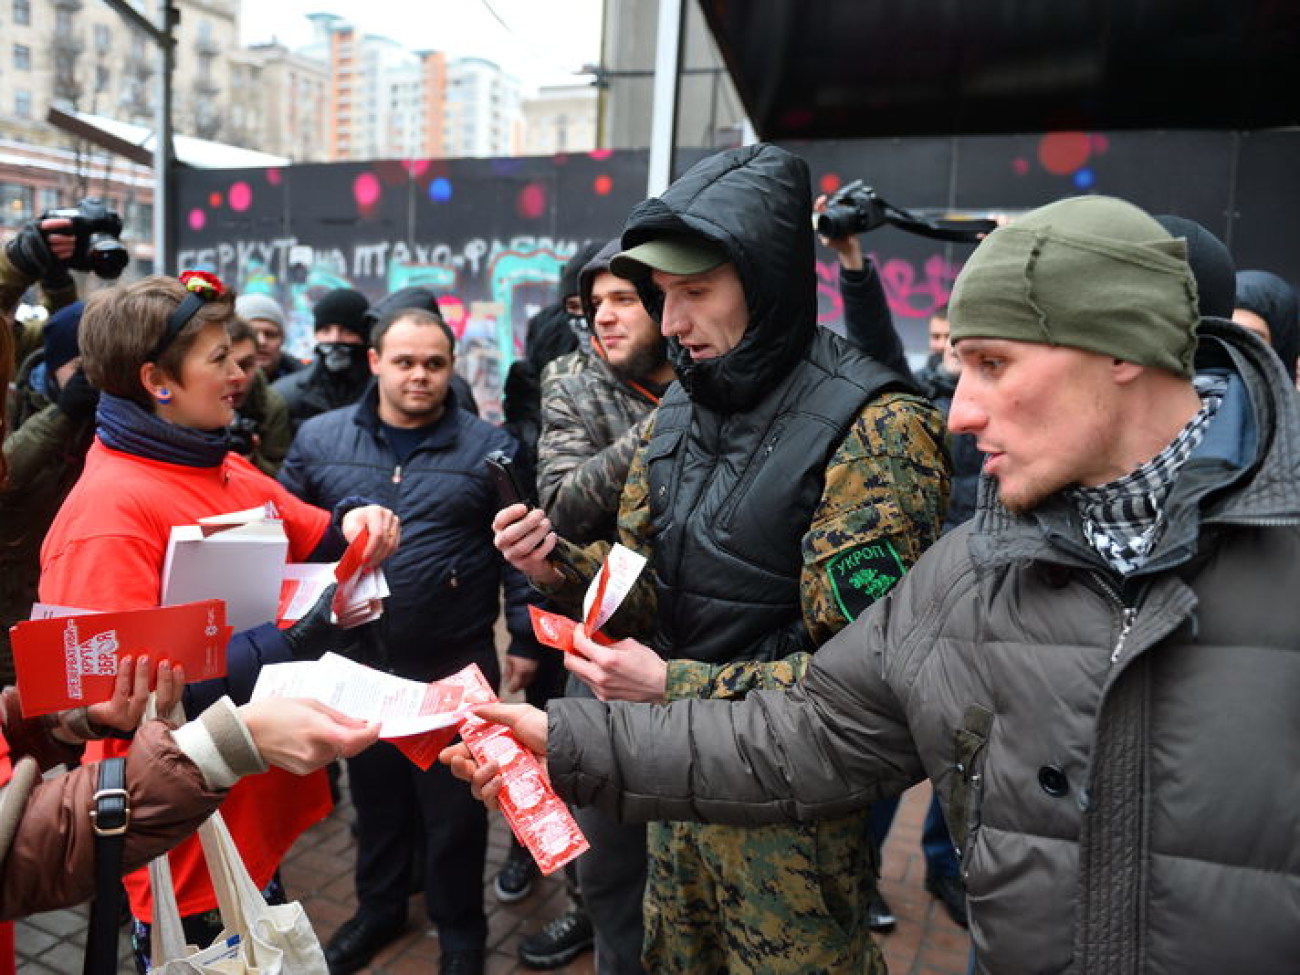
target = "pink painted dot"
x: 274, y: 176
x: 829, y: 183
x: 1020, y: 165
x: 1061, y: 153
x: 602, y: 185
x: 600, y: 155
x: 240, y: 196
x: 416, y: 167
x: 214, y: 200
x: 197, y: 219
x: 365, y: 190
x: 531, y: 203
x: 1100, y: 143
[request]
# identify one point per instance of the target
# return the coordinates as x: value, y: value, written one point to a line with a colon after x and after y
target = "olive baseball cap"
x: 672, y: 255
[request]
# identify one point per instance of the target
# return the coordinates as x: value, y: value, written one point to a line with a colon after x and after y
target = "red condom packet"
x: 347, y: 570
x: 538, y: 817
x: 606, y: 593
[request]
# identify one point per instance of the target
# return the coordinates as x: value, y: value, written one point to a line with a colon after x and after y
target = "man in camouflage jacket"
x: 781, y: 489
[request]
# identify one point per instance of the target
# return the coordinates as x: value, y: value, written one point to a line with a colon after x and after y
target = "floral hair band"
x: 200, y: 287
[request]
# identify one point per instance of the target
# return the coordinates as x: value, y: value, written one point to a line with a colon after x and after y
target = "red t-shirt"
x: 105, y: 551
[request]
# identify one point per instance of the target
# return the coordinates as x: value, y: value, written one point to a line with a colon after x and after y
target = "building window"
x: 49, y: 198
x: 22, y: 57
x: 16, y: 204
x: 22, y: 12
x: 22, y: 103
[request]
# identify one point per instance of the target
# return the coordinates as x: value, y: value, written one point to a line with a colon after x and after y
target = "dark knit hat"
x: 61, y: 336
x: 413, y: 297
x: 1274, y: 300
x: 1211, y: 265
x: 345, y: 307
x: 1089, y: 272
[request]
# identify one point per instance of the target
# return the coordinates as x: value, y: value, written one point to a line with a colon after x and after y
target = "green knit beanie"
x: 1090, y: 272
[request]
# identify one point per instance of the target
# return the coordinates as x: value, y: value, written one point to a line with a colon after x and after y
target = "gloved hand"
x: 314, y: 634
x: 29, y: 251
x: 78, y: 398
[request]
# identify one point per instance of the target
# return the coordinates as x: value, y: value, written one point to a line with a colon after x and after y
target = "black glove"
x: 314, y: 634
x: 78, y: 398
x: 30, y: 253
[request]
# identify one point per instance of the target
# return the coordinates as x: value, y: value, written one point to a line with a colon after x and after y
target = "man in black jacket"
x: 785, y: 484
x: 408, y: 442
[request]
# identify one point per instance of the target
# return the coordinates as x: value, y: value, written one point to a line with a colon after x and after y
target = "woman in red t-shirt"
x: 159, y: 353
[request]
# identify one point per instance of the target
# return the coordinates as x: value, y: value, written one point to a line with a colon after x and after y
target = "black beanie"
x: 345, y: 307
x: 413, y: 297
x: 1212, y: 265
x: 1272, y: 299
x: 61, y: 336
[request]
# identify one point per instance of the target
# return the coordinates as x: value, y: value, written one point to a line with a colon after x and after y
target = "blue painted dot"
x: 1084, y: 179
x: 440, y: 190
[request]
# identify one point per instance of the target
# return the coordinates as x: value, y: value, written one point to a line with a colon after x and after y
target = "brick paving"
x: 318, y: 871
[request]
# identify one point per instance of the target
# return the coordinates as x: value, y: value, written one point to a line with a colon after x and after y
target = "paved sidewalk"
x: 318, y: 872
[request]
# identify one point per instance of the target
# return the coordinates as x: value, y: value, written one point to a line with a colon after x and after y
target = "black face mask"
x: 338, y: 357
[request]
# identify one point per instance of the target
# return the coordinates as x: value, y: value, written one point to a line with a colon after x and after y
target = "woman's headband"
x: 201, y: 287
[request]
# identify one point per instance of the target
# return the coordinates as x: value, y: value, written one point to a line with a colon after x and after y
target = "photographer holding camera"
x: 50, y: 411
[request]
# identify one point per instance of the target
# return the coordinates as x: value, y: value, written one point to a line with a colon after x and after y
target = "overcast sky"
x: 541, y: 42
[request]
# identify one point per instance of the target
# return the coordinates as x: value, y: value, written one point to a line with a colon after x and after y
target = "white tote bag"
x: 258, y: 939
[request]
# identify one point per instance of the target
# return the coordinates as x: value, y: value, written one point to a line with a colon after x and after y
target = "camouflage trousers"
x: 767, y: 900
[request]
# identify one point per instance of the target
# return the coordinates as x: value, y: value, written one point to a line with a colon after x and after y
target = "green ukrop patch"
x: 862, y: 574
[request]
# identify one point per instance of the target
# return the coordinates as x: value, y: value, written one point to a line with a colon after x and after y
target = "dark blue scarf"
x: 128, y: 427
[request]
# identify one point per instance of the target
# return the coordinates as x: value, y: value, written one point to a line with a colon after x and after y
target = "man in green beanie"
x: 1099, y: 672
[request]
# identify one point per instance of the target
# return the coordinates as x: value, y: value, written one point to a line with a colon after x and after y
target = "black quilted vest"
x: 731, y: 496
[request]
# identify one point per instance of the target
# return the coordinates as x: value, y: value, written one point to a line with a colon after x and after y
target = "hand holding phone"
x: 509, y: 484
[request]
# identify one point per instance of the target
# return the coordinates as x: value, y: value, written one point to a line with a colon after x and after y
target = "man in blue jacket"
x: 407, y: 441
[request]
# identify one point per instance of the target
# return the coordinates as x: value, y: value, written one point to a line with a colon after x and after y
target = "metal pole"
x: 663, y: 128
x: 162, y: 150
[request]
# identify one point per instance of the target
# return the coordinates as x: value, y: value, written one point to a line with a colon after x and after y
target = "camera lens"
x: 108, y: 258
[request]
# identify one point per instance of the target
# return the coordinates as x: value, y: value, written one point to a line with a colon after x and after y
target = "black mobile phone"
x: 509, y: 484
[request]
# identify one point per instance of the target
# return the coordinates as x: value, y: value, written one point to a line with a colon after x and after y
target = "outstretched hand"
x: 125, y: 708
x: 301, y: 736
x: 529, y: 726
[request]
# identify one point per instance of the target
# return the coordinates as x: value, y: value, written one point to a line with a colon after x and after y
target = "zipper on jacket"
x: 397, y: 474
x: 1127, y: 615
x: 1126, y: 624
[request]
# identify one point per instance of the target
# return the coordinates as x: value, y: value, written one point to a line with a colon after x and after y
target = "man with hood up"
x: 1266, y: 305
x: 783, y: 487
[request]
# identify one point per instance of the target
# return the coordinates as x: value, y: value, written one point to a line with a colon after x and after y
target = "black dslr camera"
x: 98, y: 231
x: 243, y: 434
x: 856, y: 209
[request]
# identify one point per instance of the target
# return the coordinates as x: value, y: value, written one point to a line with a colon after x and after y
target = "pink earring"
x: 163, y: 395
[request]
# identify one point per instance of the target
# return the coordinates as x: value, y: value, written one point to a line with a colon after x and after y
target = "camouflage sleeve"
x: 882, y: 505
x: 693, y: 678
x: 578, y: 480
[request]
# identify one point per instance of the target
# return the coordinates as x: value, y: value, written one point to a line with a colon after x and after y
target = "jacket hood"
x: 587, y: 277
x: 572, y: 270
x: 756, y: 203
x: 1272, y: 299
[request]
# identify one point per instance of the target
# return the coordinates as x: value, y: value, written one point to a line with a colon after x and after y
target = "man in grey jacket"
x: 1100, y: 672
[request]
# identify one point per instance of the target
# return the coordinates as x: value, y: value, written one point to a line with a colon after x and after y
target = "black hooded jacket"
x: 736, y: 463
x: 1272, y: 299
